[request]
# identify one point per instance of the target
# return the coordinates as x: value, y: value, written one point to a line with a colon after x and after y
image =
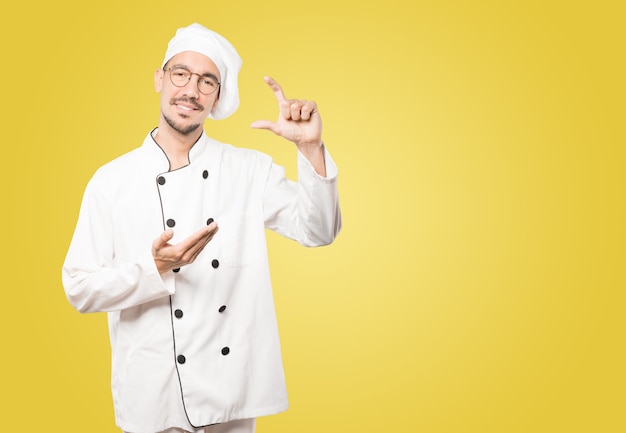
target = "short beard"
x: 184, y: 131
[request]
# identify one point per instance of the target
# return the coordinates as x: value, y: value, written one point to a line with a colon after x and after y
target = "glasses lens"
x: 180, y: 76
x: 207, y: 85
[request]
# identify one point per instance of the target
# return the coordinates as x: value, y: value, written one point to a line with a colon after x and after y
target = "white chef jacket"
x: 198, y: 345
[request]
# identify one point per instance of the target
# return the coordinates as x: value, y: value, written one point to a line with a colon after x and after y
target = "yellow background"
x: 478, y: 283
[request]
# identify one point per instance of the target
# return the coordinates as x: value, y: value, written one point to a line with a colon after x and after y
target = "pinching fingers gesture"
x: 298, y: 120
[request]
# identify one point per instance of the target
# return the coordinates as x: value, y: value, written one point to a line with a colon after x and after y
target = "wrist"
x: 312, y: 148
x: 316, y: 156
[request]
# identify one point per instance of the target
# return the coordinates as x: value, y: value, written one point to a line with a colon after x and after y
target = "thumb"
x: 265, y: 124
x: 164, y: 238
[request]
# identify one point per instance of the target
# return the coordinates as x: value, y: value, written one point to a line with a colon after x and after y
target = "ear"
x: 158, y: 80
x: 216, y: 100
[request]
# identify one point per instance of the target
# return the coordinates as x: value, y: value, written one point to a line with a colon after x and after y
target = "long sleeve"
x: 92, y: 277
x: 306, y: 211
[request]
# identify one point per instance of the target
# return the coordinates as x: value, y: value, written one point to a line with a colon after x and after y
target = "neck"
x: 176, y: 145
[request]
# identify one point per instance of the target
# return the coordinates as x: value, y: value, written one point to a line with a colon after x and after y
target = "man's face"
x: 185, y: 108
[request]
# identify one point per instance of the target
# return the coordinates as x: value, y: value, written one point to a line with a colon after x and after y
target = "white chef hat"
x: 199, y: 39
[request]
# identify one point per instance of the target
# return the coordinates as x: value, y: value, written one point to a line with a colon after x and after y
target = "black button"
x: 161, y: 180
x: 176, y: 270
x: 209, y: 221
x: 178, y: 313
x: 222, y: 309
x: 181, y: 359
x: 215, y: 263
x: 225, y: 351
x: 170, y: 222
x: 205, y: 174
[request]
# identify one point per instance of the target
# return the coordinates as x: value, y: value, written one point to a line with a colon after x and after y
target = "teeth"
x: 184, y: 108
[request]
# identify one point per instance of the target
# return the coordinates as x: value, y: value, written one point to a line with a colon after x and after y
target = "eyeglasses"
x: 180, y: 76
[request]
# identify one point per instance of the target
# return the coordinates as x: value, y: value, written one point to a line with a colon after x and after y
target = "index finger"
x: 278, y: 91
x: 200, y: 237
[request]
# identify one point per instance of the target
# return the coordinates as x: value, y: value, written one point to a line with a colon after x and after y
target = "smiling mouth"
x: 187, y: 105
x: 184, y: 108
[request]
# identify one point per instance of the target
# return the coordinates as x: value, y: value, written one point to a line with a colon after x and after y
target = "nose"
x: 191, y: 88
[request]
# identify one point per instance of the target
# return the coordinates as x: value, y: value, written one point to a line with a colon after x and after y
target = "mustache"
x: 191, y: 102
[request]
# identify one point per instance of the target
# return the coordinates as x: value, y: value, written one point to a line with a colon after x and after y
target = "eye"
x: 209, y: 83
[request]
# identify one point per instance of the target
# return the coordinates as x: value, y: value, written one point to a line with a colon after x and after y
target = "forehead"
x: 196, y: 62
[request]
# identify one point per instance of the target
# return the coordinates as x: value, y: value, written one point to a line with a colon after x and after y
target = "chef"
x: 170, y: 242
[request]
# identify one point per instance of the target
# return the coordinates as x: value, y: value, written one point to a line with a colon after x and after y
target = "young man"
x: 170, y: 241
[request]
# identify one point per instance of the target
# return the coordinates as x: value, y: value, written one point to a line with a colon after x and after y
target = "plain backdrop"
x: 478, y: 282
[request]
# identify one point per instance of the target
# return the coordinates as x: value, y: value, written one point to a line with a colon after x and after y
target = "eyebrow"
x: 206, y: 74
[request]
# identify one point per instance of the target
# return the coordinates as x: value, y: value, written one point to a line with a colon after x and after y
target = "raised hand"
x: 299, y: 122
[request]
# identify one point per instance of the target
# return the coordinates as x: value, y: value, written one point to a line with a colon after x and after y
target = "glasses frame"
x: 200, y: 76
